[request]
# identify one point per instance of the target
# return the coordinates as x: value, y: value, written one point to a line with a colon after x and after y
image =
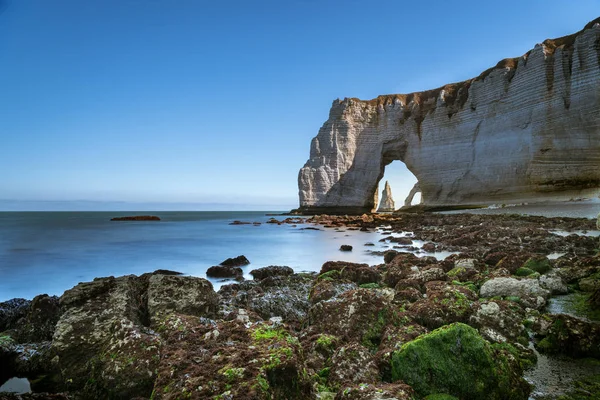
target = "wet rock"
x: 429, y: 247
x: 206, y: 359
x: 11, y: 311
x: 102, y: 347
x: 403, y: 240
x: 568, y: 335
x: 466, y: 263
x: 35, y: 396
x: 352, y: 363
x: 275, y: 296
x: 39, y: 322
x: 358, y: 315
x: 539, y: 264
x: 238, y: 261
x: 591, y: 283
x: 409, y: 294
x: 499, y: 321
x: 182, y: 295
x: 273, y: 270
x: 456, y: 360
x: 358, y: 273
x: 389, y: 255
x: 595, y: 300
x: 137, y: 218
x: 444, y: 304
x: 513, y: 287
x: 553, y: 283
x: 326, y: 289
x: 346, y: 247
x: 380, y: 391
x: 222, y: 271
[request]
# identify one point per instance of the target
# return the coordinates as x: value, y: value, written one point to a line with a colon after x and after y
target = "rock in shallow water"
x: 238, y: 261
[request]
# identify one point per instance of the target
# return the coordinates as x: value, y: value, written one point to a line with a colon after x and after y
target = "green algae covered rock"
x: 538, y: 264
x: 456, y: 360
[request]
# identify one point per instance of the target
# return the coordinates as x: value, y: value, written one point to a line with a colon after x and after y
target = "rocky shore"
x: 465, y: 327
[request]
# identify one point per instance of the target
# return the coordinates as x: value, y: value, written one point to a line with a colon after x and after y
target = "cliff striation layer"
x: 527, y: 129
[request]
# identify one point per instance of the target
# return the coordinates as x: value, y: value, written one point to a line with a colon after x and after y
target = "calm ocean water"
x: 49, y: 252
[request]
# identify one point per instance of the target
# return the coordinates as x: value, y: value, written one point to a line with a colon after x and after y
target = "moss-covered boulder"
x: 456, y: 360
x: 538, y: 264
x: 568, y: 335
x: 591, y: 283
x: 444, y: 304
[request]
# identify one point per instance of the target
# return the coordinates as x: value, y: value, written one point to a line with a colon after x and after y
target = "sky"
x: 212, y: 104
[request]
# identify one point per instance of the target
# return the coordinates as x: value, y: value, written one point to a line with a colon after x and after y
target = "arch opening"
x: 403, y: 184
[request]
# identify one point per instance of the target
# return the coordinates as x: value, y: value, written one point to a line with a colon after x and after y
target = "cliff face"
x: 387, y: 201
x: 525, y: 130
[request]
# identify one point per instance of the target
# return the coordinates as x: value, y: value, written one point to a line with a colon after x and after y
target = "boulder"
x: 357, y: 315
x: 553, y: 283
x: 499, y: 321
x: 275, y: 296
x: 513, y: 287
x: 11, y: 311
x: 456, y: 360
x: 206, y: 359
x: 273, y: 270
x: 346, y: 247
x: 352, y: 364
x: 568, y: 335
x: 444, y: 304
x: 102, y: 348
x: 238, y: 261
x: 188, y: 295
x: 39, y: 322
x: 222, y: 271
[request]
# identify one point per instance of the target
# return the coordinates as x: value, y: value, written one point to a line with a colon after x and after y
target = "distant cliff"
x: 526, y: 129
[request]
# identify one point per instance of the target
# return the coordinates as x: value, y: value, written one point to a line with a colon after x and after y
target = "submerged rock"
x: 137, y: 218
x: 456, y: 360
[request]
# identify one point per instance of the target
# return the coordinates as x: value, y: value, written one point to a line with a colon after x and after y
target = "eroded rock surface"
x: 523, y: 130
x: 387, y: 201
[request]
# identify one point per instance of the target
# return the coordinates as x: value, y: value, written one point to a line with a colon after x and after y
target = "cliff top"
x: 457, y: 93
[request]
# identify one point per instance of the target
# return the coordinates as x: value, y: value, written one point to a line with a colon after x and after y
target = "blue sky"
x: 179, y: 102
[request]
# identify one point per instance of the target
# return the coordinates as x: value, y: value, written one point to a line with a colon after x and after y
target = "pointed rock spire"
x: 387, y: 201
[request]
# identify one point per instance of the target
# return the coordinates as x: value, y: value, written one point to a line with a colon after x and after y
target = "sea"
x: 50, y: 252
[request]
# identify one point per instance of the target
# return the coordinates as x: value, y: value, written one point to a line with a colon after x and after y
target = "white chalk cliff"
x: 526, y: 129
x: 387, y: 201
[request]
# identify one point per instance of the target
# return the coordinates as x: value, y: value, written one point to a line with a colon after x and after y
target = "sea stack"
x: 387, y: 201
x: 525, y: 130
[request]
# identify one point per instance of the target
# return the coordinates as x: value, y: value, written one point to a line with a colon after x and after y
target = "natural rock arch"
x: 527, y: 129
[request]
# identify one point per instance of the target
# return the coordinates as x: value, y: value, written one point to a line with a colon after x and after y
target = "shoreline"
x: 494, y: 291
